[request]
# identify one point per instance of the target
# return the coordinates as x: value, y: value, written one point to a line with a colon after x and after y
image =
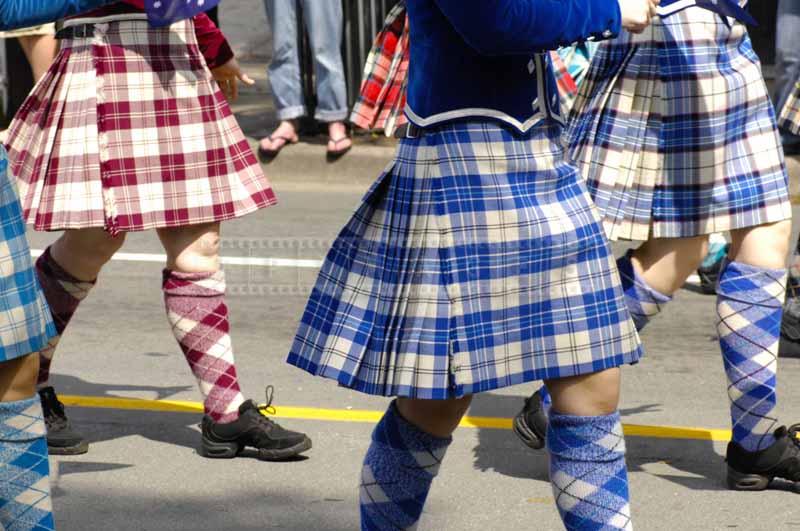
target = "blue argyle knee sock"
x: 643, y: 302
x: 749, y: 311
x: 588, y: 472
x: 24, y: 470
x: 398, y: 471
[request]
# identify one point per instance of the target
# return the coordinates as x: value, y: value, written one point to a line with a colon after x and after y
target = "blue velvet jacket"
x: 16, y: 14
x: 484, y: 58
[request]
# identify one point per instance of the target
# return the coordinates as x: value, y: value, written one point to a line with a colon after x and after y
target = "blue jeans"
x: 787, y: 49
x: 323, y: 18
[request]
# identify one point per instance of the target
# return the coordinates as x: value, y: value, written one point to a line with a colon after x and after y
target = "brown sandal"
x: 269, y: 154
x: 335, y: 154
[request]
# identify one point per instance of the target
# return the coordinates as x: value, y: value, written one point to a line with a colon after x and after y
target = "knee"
x: 192, y: 249
x: 90, y: 245
x: 587, y: 395
x: 18, y: 378
x: 764, y: 246
x: 437, y: 417
x: 780, y: 236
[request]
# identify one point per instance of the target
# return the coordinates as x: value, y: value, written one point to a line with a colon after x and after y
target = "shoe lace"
x: 267, y: 408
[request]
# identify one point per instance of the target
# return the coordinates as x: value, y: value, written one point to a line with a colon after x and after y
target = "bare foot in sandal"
x: 285, y: 134
x: 339, y: 141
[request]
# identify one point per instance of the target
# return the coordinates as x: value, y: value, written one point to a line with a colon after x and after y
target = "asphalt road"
x: 143, y: 471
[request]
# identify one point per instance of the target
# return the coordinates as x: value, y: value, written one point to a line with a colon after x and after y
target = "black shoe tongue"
x: 247, y: 405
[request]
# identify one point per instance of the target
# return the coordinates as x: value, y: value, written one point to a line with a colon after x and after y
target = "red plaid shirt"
x: 383, y: 87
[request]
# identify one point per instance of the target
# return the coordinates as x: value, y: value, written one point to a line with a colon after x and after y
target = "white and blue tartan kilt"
x: 475, y: 262
x: 26, y: 324
x: 790, y: 114
x: 675, y: 133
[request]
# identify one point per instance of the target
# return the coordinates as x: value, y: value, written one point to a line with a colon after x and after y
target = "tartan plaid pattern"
x: 675, y: 132
x: 382, y: 98
x: 198, y: 315
x: 644, y: 303
x: 129, y: 131
x: 400, y: 465
x: 25, y: 322
x: 476, y: 261
x: 749, y: 312
x: 569, y: 67
x: 588, y: 472
x: 63, y: 293
x: 25, y: 502
x: 790, y: 114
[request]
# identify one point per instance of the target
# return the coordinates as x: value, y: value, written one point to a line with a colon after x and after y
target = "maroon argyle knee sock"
x: 63, y: 293
x: 199, y: 317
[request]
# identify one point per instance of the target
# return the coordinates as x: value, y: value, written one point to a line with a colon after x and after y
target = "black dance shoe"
x: 252, y: 429
x: 790, y: 329
x: 530, y: 424
x: 61, y: 438
x: 755, y: 470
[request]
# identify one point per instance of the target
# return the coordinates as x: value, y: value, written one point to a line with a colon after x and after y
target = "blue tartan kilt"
x: 25, y: 321
x: 475, y: 262
x: 675, y: 133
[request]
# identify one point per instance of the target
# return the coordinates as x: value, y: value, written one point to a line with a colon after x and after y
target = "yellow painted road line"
x: 371, y: 417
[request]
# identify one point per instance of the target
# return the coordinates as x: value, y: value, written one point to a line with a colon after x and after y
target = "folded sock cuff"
x: 595, y: 439
x: 22, y: 420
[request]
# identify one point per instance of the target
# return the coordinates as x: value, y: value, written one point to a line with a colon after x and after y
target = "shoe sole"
x: 747, y: 482
x: 526, y: 434
x: 78, y: 449
x: 223, y: 450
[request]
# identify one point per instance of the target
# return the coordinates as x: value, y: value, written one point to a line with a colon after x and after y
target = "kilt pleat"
x: 675, y: 134
x: 25, y: 321
x: 128, y: 131
x: 476, y: 261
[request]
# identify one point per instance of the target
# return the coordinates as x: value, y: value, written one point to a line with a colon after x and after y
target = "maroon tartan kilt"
x: 129, y: 131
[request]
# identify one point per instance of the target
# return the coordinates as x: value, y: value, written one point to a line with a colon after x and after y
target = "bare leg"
x: 40, y: 51
x: 18, y: 378
x: 666, y: 263
x: 764, y: 246
x: 437, y: 417
x: 194, y: 294
x: 67, y: 272
x: 83, y: 253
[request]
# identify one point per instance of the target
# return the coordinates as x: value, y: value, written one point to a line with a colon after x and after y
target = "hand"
x: 228, y: 76
x: 636, y: 14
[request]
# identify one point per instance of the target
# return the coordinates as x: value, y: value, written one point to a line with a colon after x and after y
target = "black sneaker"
x: 61, y: 438
x: 254, y: 429
x: 530, y: 424
x: 790, y: 329
x: 755, y: 470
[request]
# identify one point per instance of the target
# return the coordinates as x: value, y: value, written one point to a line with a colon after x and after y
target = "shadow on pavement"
x: 70, y: 385
x: 100, y: 425
x: 692, y: 464
x: 125, y: 508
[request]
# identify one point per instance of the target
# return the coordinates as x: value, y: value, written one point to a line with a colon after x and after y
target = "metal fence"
x: 363, y: 19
